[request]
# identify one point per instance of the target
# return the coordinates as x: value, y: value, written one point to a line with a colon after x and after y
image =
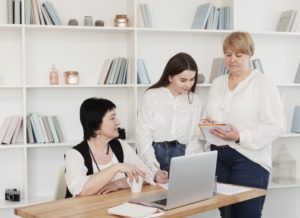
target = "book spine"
x: 4, y: 128
x: 53, y: 130
x: 17, y: 130
x: 30, y: 138
x: 58, y: 129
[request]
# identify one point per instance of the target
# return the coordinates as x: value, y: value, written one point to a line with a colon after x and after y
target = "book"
x: 257, y: 65
x: 297, y: 77
x: 286, y: 20
x: 58, y: 129
x: 27, y: 11
x: 4, y: 128
x: 132, y: 210
x: 52, y: 12
x: 104, y: 72
x: 17, y: 12
x: 218, y: 68
x: 10, y: 11
x: 52, y: 128
x: 30, y: 137
x: 211, y: 138
x: 201, y: 16
x: 17, y: 130
x: 43, y: 129
x: 47, y: 128
x: 140, y: 17
x: 11, y: 129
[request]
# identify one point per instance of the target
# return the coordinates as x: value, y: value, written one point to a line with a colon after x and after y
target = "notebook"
x: 191, y: 179
x: 211, y: 138
x: 132, y: 210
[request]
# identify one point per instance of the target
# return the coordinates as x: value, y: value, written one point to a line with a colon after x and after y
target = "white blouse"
x: 163, y: 117
x: 254, y: 107
x: 76, y: 170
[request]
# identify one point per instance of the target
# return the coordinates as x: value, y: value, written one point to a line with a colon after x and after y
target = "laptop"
x: 191, y: 180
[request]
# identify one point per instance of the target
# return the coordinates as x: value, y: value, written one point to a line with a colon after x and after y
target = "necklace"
x: 103, y: 155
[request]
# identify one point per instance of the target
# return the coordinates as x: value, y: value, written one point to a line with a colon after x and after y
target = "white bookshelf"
x: 24, y: 87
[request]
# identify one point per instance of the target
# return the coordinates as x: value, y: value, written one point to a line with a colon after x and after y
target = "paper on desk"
x: 132, y: 210
x: 227, y: 189
x: 211, y: 138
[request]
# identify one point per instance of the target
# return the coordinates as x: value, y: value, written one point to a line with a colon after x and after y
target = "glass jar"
x: 121, y: 20
x: 53, y: 78
x: 71, y: 77
x: 284, y: 167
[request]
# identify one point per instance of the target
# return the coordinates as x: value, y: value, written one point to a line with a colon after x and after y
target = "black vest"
x: 83, y: 149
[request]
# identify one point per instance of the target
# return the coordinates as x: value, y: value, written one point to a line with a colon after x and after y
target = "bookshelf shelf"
x: 290, y: 135
x: 283, y: 186
x: 24, y: 82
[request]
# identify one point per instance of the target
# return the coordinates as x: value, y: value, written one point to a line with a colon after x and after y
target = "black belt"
x: 220, y: 146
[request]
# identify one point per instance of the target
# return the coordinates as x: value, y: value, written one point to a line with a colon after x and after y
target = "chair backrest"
x: 60, y: 190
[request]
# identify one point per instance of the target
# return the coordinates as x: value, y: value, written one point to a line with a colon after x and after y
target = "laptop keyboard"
x: 161, y: 201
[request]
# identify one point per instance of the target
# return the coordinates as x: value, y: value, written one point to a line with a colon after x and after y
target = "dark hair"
x: 176, y: 65
x: 92, y: 111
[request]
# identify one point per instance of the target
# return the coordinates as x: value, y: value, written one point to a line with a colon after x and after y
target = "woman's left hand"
x: 232, y: 135
x: 110, y: 187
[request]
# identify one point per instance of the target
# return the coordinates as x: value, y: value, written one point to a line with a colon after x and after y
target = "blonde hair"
x: 239, y: 42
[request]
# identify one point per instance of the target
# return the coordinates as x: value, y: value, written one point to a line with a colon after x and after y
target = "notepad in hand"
x: 211, y: 138
x: 132, y: 210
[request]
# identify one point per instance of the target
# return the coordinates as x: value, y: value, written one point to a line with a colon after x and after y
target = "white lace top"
x: 163, y: 117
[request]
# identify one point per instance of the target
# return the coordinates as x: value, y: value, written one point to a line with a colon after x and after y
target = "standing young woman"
x: 168, y: 116
x: 251, y: 104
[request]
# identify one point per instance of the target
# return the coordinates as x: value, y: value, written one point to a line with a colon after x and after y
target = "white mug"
x: 136, y: 187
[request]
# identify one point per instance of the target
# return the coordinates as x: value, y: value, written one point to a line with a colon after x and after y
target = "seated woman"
x: 100, y: 163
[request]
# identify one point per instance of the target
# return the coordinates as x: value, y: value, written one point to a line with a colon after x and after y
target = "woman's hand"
x: 161, y: 176
x: 232, y: 135
x: 131, y: 171
x: 110, y: 187
x: 207, y: 120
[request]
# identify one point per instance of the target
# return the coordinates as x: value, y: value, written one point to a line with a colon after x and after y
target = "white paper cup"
x: 136, y: 187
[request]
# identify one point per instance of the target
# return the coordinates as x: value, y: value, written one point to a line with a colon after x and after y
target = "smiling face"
x: 182, y: 83
x: 110, y: 124
x: 236, y: 62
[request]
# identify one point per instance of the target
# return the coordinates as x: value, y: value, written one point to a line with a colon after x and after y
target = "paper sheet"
x: 227, y: 189
x: 210, y: 138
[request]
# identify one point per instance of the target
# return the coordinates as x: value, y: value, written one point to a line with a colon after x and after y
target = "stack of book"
x: 41, y: 13
x: 208, y: 16
x: 10, y: 129
x: 114, y: 71
x: 43, y: 129
x: 142, y: 73
x: 14, y: 12
x: 289, y: 21
x: 144, y: 18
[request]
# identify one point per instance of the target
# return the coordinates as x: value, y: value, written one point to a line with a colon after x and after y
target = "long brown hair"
x: 176, y: 65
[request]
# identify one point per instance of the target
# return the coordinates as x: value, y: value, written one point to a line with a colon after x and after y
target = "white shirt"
x: 163, y: 117
x: 76, y: 170
x: 254, y: 107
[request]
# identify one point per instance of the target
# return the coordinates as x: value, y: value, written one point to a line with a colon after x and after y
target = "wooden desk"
x: 96, y: 206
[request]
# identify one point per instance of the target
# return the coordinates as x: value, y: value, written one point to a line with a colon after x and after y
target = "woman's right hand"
x: 207, y: 120
x: 131, y: 171
x: 161, y: 176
